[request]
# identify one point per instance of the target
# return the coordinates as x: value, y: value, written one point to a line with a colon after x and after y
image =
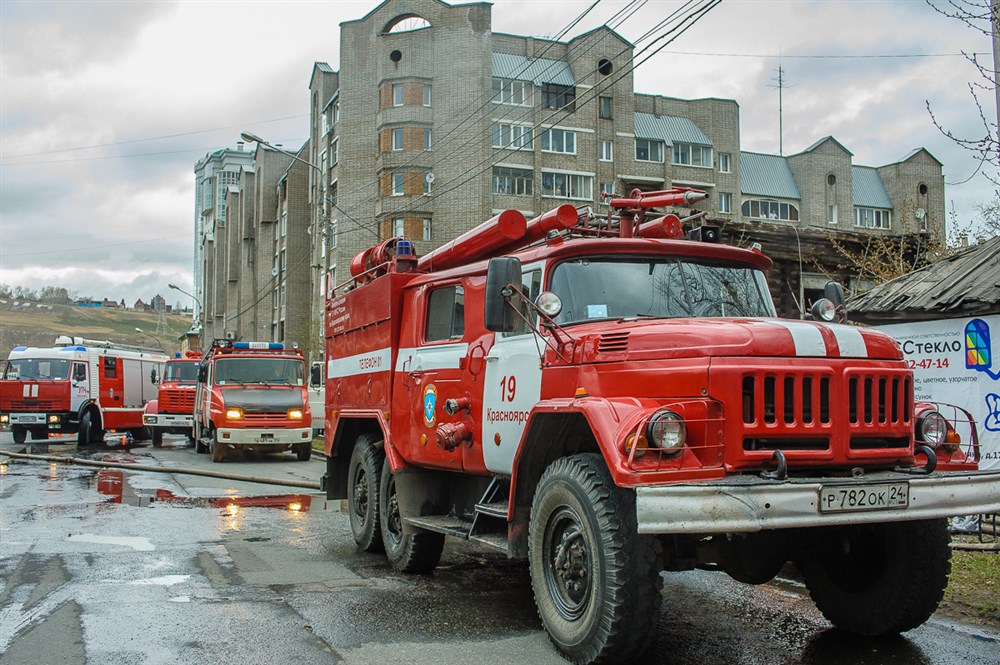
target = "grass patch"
x: 974, y: 586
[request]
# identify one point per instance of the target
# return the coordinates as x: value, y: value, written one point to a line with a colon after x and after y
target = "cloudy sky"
x: 106, y: 106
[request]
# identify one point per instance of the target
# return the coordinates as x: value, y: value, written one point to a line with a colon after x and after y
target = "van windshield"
x: 267, y: 371
x: 186, y: 372
x: 670, y: 287
x: 37, y: 369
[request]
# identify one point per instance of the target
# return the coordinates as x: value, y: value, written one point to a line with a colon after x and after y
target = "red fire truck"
x: 172, y: 412
x: 251, y: 396
x: 79, y: 385
x: 610, y: 398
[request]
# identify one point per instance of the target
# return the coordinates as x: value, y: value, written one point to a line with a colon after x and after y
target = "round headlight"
x: 666, y: 430
x: 932, y: 428
x: 549, y: 303
x: 824, y: 310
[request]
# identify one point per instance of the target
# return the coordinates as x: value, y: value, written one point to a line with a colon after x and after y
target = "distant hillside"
x: 35, y: 327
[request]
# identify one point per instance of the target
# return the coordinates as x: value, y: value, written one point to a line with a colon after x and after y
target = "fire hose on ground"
x: 159, y: 469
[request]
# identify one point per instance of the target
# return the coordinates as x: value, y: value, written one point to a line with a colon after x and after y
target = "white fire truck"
x: 611, y: 398
x: 79, y: 385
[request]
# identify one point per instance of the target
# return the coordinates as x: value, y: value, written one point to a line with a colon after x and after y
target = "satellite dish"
x: 429, y: 178
x: 920, y: 213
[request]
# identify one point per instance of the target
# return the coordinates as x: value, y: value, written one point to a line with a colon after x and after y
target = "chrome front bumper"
x: 748, y: 504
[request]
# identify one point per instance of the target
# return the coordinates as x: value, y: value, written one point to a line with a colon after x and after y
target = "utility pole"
x: 995, y: 21
x: 781, y: 85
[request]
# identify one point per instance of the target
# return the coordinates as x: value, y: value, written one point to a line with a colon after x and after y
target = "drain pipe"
x: 159, y: 469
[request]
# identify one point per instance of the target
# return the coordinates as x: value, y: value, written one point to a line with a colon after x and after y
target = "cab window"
x: 445, y: 314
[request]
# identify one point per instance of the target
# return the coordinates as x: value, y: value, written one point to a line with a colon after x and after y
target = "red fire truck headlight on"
x: 295, y: 414
x: 234, y: 413
x: 666, y: 430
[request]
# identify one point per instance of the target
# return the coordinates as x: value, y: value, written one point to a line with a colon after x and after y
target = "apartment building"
x: 434, y: 123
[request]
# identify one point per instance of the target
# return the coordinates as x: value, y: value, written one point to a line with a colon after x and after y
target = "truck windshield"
x: 181, y: 372
x: 37, y: 369
x: 266, y: 371
x: 612, y: 288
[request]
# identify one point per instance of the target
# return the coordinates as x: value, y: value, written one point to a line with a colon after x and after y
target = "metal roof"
x: 536, y: 70
x: 766, y: 175
x: 965, y: 284
x: 669, y: 128
x: 867, y: 189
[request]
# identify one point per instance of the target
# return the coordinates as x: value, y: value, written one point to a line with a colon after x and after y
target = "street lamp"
x: 158, y: 342
x: 192, y: 297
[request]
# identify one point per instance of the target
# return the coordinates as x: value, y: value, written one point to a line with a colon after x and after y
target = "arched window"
x: 406, y: 23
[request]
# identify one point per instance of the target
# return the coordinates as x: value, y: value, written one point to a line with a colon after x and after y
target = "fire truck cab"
x: 611, y: 398
x: 79, y: 385
x: 172, y: 412
x: 252, y: 396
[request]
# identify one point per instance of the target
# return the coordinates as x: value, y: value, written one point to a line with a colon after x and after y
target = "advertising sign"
x: 958, y: 361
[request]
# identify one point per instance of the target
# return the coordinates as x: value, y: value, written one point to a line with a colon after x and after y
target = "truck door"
x: 430, y: 373
x: 512, y: 385
x: 79, y: 386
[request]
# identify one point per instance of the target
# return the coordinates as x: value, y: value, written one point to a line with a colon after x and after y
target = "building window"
x: 648, y: 151
x: 606, y: 151
x: 428, y: 181
x: 767, y: 209
x: 512, y: 93
x: 334, y: 149
x: 333, y: 234
x: 688, y: 154
x: 559, y: 140
x: 606, y: 107
x: 725, y: 202
x: 511, y: 137
x: 427, y: 94
x: 568, y: 185
x: 397, y: 140
x: 511, y: 180
x: 872, y: 218
x: 427, y: 139
x: 397, y: 94
x: 397, y: 184
x: 831, y: 214
x: 725, y: 162
x: 607, y: 190
x: 427, y: 229
x: 559, y: 97
x: 445, y: 314
x: 398, y: 227
x: 336, y: 112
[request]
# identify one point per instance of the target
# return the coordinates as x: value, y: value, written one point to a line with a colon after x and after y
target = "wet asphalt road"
x: 109, y: 567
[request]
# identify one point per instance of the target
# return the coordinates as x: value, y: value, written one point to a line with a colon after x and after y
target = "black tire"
x: 413, y: 553
x: 363, y: 473
x: 596, y: 581
x: 141, y: 434
x: 218, y: 449
x: 20, y: 434
x: 86, y: 434
x: 304, y: 452
x: 878, y: 579
x: 157, y: 438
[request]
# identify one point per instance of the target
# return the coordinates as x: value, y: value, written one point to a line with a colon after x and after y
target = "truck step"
x: 498, y: 509
x: 449, y: 525
x: 492, y: 540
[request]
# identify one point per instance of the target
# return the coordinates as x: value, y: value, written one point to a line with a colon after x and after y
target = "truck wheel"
x: 596, y: 581
x: 157, y: 438
x: 363, y: 493
x: 879, y: 579
x: 20, y: 433
x: 85, y: 435
x: 218, y: 449
x: 413, y: 553
x: 304, y: 452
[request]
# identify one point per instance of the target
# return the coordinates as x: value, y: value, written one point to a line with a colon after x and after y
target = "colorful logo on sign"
x: 978, y: 355
x: 430, y: 405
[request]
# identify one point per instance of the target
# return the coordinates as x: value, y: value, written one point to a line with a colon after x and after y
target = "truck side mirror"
x: 834, y: 292
x: 203, y: 374
x: 153, y: 378
x: 502, y: 273
x: 316, y: 375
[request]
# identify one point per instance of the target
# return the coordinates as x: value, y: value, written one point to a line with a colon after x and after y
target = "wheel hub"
x: 569, y: 571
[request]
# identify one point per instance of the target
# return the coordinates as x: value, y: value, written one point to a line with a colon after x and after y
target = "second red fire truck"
x: 609, y: 398
x: 172, y: 410
x: 252, y: 396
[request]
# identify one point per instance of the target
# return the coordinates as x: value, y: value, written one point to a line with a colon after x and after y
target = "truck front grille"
x: 177, y: 401
x: 790, y: 399
x: 34, y: 405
